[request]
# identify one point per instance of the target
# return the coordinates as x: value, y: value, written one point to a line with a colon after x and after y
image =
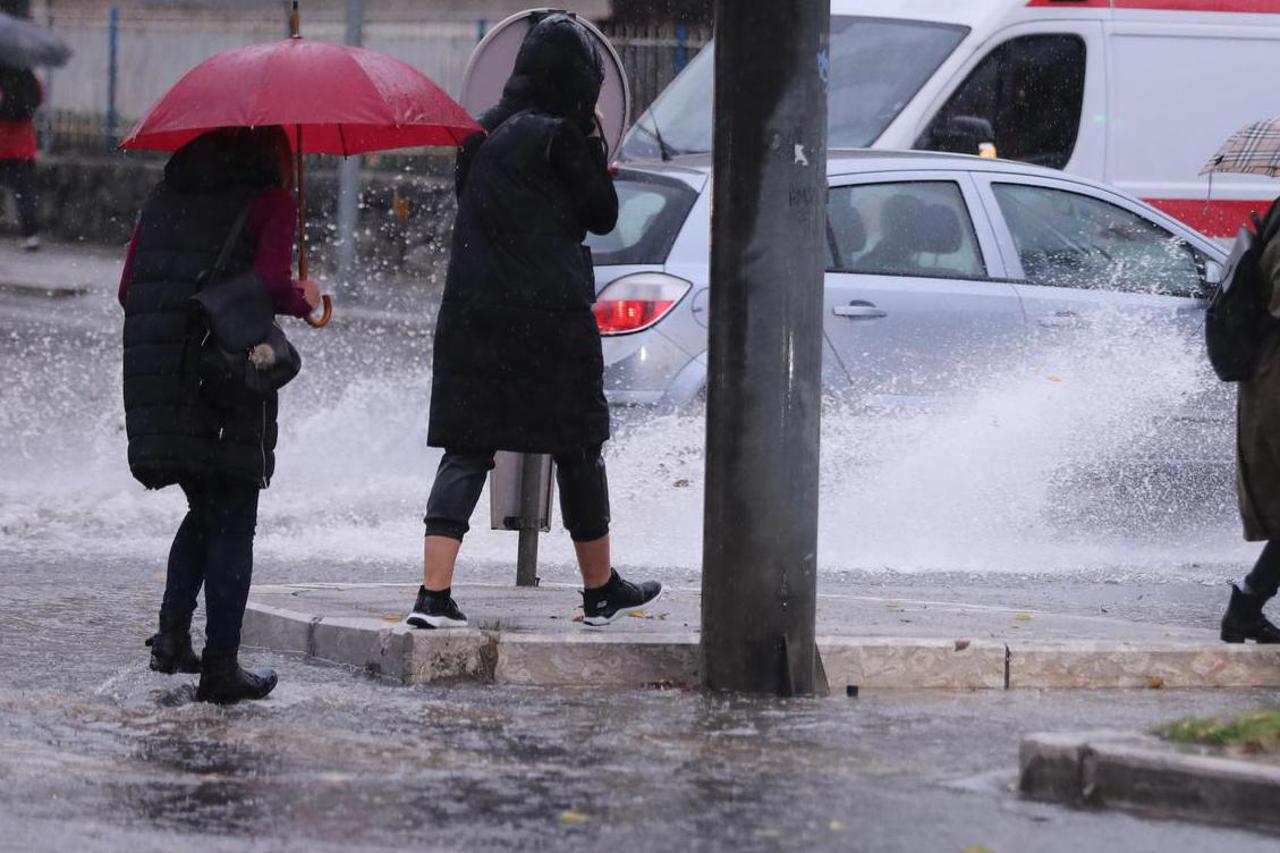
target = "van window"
x: 921, y: 228
x: 651, y: 211
x: 1025, y: 96
x: 1066, y: 239
x: 877, y: 66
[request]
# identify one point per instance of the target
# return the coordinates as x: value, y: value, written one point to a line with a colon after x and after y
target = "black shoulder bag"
x: 242, y: 348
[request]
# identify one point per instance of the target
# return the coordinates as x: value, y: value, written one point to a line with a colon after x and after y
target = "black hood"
x: 557, y: 71
x: 228, y: 158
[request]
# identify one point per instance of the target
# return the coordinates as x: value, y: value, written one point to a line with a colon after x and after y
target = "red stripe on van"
x: 1261, y: 7
x: 1211, y: 218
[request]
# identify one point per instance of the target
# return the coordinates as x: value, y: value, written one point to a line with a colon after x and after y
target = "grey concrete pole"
x: 349, y: 170
x: 530, y: 519
x: 764, y: 393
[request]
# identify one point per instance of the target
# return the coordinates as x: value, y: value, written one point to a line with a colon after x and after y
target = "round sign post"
x: 494, y: 57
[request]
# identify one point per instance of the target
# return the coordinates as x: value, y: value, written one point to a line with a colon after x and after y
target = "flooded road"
x: 98, y: 753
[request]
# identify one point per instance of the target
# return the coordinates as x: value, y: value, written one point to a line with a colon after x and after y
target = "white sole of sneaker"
x: 422, y: 620
x: 601, y: 621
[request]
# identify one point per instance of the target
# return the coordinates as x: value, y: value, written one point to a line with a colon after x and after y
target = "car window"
x: 1066, y: 239
x: 651, y: 211
x: 920, y: 228
x: 1025, y: 97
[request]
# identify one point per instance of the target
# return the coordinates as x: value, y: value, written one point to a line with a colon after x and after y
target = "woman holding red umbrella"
x: 223, y: 196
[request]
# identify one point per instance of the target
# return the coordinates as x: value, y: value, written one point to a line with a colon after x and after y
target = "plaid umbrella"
x: 1254, y: 150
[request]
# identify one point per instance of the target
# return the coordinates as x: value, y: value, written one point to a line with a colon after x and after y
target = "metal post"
x: 349, y: 171
x: 113, y: 74
x: 530, y: 519
x: 765, y: 348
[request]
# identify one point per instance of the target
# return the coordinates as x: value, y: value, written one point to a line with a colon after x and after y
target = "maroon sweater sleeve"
x: 273, y: 225
x: 127, y: 272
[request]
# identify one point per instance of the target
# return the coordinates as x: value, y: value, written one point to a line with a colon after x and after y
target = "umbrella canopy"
x: 1253, y: 150
x: 345, y: 100
x: 27, y: 45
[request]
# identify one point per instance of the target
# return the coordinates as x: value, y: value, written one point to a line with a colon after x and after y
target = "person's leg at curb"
x: 171, y: 649
x: 454, y: 494
x: 230, y: 520
x: 1244, y: 619
x: 584, y: 504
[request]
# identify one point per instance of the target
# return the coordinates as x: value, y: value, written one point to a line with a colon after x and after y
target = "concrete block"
x: 1217, y: 790
x: 350, y: 640
x: 881, y: 662
x: 1113, y: 664
x: 454, y: 655
x: 277, y: 629
x: 598, y: 660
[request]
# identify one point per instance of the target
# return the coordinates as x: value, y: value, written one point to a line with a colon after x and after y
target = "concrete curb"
x: 616, y: 658
x: 1140, y: 773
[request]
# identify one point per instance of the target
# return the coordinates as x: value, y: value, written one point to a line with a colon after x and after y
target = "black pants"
x: 214, y: 546
x: 1264, y: 580
x: 580, y: 475
x: 20, y: 177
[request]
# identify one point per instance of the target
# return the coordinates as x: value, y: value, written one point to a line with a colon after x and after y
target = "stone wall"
x: 405, y: 219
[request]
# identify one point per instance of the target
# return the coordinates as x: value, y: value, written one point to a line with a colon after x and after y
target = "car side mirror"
x: 1213, y: 272
x: 963, y: 135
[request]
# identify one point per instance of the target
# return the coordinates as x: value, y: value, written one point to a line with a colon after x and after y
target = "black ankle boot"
x: 223, y: 682
x: 171, y: 648
x: 1244, y: 620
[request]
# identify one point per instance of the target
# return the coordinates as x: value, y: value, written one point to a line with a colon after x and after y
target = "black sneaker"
x: 602, y: 605
x: 436, y: 610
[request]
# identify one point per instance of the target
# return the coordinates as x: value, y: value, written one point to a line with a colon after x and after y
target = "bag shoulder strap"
x: 224, y: 257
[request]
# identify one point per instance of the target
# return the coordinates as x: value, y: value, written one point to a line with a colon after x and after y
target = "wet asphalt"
x: 98, y: 753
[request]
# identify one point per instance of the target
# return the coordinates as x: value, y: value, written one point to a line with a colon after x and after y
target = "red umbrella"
x: 333, y: 99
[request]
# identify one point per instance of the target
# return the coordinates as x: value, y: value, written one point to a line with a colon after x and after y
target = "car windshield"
x: 877, y: 66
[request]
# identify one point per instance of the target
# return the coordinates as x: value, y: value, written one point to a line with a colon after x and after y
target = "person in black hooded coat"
x: 517, y: 357
x: 227, y: 186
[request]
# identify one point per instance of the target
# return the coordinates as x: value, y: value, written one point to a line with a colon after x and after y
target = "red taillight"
x: 637, y: 301
x: 627, y: 315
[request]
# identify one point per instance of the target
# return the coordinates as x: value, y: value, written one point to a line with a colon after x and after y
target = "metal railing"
x: 125, y: 60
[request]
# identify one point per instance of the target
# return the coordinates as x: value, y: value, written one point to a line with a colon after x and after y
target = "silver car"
x: 940, y: 268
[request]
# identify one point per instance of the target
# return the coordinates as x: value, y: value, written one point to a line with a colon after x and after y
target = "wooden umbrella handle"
x: 325, y: 316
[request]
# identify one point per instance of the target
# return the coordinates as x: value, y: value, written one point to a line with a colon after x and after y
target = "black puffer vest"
x: 174, y: 432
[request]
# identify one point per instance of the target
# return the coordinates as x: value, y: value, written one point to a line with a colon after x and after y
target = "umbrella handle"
x: 325, y: 316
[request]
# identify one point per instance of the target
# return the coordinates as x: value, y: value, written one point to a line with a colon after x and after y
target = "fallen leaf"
x: 961, y: 645
x: 1155, y: 682
x: 392, y: 617
x: 639, y: 614
x: 578, y: 617
x: 977, y: 848
x: 572, y: 818
x: 1053, y: 378
x: 836, y: 825
x: 681, y: 484
x: 1022, y: 617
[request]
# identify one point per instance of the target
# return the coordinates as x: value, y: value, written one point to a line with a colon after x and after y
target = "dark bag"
x: 19, y: 93
x: 241, y: 346
x: 1237, y: 320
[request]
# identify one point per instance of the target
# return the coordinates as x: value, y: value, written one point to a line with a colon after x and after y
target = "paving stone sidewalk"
x: 530, y: 636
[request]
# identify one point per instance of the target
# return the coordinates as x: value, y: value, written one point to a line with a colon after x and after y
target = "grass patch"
x: 1254, y: 732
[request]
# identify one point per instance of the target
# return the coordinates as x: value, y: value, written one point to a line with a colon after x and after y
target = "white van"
x: 1136, y: 93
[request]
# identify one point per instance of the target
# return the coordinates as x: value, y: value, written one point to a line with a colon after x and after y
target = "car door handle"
x: 858, y: 310
x: 1061, y: 320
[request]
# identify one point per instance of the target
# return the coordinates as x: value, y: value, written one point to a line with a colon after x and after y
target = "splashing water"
x: 1037, y: 467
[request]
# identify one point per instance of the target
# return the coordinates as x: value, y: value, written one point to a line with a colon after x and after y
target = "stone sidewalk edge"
x: 1140, y: 773
x: 601, y: 658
